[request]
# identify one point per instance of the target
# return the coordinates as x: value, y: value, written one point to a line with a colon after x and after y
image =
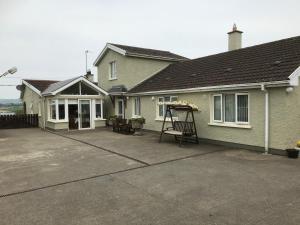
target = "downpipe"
x: 267, y: 122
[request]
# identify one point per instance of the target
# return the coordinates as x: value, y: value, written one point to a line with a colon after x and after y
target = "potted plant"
x: 137, y: 125
x: 294, y: 152
x: 111, y: 119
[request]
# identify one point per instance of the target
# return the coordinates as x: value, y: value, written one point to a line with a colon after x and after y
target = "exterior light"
x: 289, y: 89
x: 10, y: 71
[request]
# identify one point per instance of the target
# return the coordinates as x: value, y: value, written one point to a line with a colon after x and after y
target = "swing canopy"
x: 178, y: 107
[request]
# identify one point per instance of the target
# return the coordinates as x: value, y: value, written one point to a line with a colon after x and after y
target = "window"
x: 162, y: 105
x: 112, y: 70
x: 98, y: 107
x: 217, y: 107
x: 53, y: 109
x: 242, y: 108
x: 61, y: 109
x: 231, y: 108
x: 57, y: 110
x: 40, y: 112
x: 137, y: 106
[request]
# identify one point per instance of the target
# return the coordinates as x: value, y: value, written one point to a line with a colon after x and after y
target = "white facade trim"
x: 106, y: 48
x: 124, y: 52
x: 32, y: 87
x: 216, y: 88
x: 294, y: 77
x: 243, y: 126
x: 74, y: 82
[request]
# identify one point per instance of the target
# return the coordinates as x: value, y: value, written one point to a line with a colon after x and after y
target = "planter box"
x: 136, y: 125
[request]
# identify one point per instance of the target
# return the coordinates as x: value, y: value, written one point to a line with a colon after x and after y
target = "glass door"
x: 84, y: 114
x: 120, y: 108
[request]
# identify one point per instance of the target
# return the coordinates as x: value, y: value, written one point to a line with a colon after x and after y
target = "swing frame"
x: 181, y: 130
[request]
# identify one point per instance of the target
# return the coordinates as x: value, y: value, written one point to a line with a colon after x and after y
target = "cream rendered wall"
x: 130, y: 72
x: 57, y: 126
x: 32, y: 98
x: 284, y: 118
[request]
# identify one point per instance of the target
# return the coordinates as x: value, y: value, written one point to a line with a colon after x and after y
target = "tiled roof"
x: 130, y: 50
x: 41, y: 85
x: 273, y: 61
x: 55, y: 86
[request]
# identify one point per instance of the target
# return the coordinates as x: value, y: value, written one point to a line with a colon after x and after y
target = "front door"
x: 84, y: 114
x: 73, y: 116
x: 120, y: 108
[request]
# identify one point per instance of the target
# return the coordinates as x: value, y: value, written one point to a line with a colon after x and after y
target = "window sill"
x: 242, y: 126
x: 167, y: 119
x: 57, y: 121
x: 99, y: 119
x: 135, y: 116
x: 111, y: 79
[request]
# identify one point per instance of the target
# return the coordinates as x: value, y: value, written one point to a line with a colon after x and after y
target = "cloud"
x: 47, y: 39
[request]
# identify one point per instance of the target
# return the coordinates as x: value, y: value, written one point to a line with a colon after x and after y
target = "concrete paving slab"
x: 105, y: 200
x: 206, y: 185
x: 145, y: 148
x: 31, y: 158
x: 232, y: 187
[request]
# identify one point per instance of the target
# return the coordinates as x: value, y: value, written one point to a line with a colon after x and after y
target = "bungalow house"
x: 75, y: 103
x: 248, y: 97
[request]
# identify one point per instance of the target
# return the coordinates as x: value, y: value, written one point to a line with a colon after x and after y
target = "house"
x: 75, y: 103
x: 121, y: 67
x: 248, y: 97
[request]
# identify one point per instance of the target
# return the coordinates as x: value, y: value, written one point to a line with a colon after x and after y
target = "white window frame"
x: 236, y: 108
x: 222, y: 121
x: 50, y: 103
x: 40, y: 109
x: 213, y: 108
x: 134, y: 115
x: 56, y: 102
x: 112, y: 71
x: 101, y: 106
x: 158, y: 117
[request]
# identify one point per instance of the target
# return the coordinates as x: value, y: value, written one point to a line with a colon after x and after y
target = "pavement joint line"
x: 186, y: 157
x: 69, y: 182
x: 102, y: 175
x: 106, y: 174
x: 102, y: 148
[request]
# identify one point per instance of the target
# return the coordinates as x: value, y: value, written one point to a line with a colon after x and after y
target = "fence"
x: 18, y: 121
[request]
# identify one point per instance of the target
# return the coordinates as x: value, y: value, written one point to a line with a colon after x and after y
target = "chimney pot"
x: 89, y: 76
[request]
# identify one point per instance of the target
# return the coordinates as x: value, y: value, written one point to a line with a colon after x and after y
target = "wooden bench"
x: 181, y: 128
x: 120, y: 125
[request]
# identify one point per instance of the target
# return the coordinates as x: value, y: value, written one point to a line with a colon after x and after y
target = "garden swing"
x: 181, y: 130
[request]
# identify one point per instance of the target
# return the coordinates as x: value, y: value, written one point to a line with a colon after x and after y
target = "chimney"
x: 234, y: 38
x: 89, y: 76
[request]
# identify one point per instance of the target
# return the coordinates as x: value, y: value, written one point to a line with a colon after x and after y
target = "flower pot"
x: 136, y: 125
x: 292, y: 153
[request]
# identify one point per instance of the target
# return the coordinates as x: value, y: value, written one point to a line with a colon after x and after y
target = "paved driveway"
x: 99, y: 177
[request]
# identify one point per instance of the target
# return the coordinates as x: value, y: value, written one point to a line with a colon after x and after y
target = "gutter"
x: 216, y: 88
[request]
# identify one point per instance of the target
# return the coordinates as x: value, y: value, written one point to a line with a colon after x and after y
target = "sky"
x: 47, y: 39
